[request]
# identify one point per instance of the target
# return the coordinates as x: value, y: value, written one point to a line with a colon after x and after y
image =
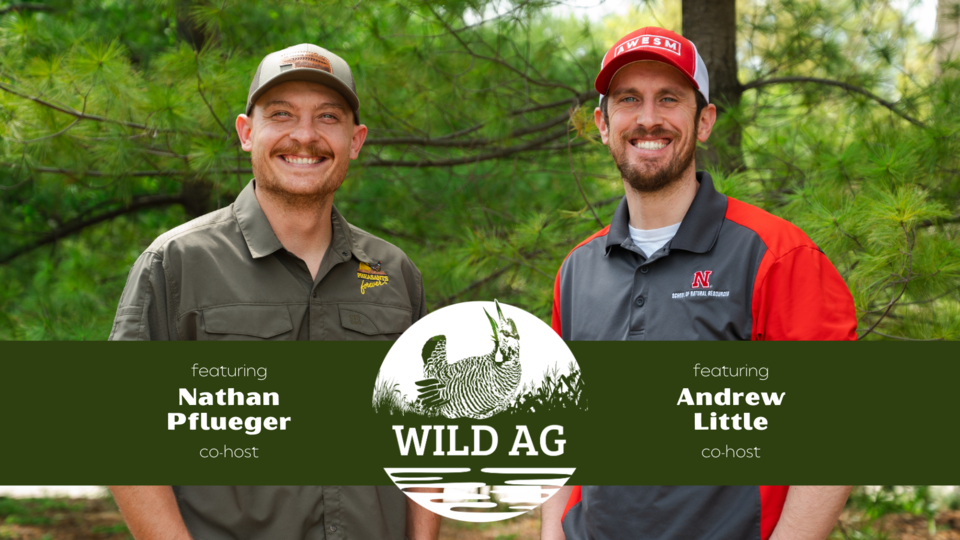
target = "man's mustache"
x: 641, y: 132
x: 311, y: 150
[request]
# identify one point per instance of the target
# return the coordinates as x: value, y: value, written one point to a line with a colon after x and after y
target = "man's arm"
x: 422, y: 524
x: 810, y: 512
x: 142, y: 314
x: 551, y: 513
x: 801, y: 296
x: 151, y: 512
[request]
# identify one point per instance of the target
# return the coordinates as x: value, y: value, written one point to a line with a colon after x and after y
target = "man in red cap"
x: 681, y: 261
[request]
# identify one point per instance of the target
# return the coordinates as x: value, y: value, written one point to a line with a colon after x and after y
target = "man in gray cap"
x: 279, y: 263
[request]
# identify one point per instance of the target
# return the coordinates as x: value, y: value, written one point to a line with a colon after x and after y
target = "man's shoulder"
x: 597, y: 239
x: 195, y: 229
x: 779, y: 235
x: 377, y: 248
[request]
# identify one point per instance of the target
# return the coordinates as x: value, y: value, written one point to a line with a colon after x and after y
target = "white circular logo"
x: 476, y: 383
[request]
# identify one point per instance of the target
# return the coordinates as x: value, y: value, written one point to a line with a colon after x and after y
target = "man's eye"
x: 328, y: 116
x: 629, y: 99
x: 280, y: 113
x: 670, y: 99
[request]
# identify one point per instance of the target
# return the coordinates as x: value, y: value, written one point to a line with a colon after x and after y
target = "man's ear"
x: 356, y: 142
x: 601, y: 125
x: 245, y: 132
x: 708, y: 117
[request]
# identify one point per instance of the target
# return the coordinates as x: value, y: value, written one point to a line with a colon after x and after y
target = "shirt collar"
x: 256, y: 229
x: 262, y: 241
x: 698, y: 230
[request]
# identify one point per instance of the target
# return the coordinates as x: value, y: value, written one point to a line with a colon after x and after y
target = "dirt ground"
x: 99, y: 519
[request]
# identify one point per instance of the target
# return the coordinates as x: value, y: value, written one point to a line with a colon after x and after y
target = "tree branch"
x: 504, y: 152
x: 449, y: 300
x: 75, y: 226
x: 26, y: 6
x: 101, y: 174
x: 581, y: 99
x: 83, y: 116
x: 449, y: 142
x: 839, y: 84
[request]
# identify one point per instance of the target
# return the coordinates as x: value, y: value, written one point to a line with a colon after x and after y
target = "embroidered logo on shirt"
x: 701, y: 279
x: 371, y: 276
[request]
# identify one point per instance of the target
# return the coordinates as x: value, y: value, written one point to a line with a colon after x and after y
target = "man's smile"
x: 294, y: 159
x: 650, y: 144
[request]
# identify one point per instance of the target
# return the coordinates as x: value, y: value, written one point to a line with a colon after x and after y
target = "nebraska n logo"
x: 701, y: 279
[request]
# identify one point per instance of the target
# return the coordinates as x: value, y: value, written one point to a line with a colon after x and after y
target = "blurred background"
x: 483, y: 162
x: 89, y: 513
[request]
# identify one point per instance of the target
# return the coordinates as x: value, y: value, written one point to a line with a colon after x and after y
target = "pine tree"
x: 483, y: 162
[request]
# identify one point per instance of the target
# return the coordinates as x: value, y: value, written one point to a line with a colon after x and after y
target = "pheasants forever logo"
x: 479, y: 361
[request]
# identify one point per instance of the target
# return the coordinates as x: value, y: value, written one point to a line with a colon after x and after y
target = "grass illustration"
x: 387, y: 398
x: 554, y: 393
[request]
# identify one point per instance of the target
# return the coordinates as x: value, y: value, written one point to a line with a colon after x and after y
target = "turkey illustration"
x: 476, y: 387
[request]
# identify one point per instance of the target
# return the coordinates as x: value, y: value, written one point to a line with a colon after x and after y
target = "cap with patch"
x: 659, y: 45
x: 305, y: 62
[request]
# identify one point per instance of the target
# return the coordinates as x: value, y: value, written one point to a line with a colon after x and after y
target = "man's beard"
x: 661, y: 178
x: 322, y: 189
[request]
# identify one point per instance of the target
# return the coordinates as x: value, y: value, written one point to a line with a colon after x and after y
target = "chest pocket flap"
x: 262, y: 322
x: 372, y: 319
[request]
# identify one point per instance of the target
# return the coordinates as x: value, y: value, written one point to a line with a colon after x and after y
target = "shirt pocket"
x: 246, y: 322
x: 362, y: 321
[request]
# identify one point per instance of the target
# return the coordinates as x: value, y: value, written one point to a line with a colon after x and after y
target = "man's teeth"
x: 649, y: 145
x: 301, y: 160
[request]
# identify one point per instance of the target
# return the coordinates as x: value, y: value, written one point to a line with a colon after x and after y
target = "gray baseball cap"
x: 305, y: 62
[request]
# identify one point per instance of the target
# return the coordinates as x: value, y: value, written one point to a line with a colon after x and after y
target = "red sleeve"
x: 771, y: 506
x: 575, y: 497
x: 555, y: 320
x: 801, y: 296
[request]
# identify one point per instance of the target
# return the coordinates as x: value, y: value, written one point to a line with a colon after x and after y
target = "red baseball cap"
x: 659, y: 45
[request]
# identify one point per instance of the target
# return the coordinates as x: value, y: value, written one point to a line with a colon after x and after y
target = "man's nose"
x: 648, y: 115
x: 305, y: 132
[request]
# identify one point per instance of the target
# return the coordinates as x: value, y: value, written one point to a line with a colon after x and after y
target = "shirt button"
x: 644, y: 269
x: 333, y: 528
x: 314, y: 294
x: 639, y: 301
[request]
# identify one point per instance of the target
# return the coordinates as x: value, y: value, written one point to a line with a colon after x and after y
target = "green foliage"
x: 875, y: 504
x: 506, y: 183
x: 555, y: 393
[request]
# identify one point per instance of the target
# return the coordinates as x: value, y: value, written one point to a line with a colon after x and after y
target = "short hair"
x: 701, y: 104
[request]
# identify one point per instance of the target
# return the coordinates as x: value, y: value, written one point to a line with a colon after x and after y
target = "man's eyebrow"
x: 621, y: 91
x: 665, y: 90
x: 277, y: 103
x: 333, y: 104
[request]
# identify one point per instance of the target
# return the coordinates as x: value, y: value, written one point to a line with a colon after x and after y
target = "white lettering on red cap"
x: 649, y: 42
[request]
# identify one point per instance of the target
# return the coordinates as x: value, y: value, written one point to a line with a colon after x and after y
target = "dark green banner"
x: 848, y: 413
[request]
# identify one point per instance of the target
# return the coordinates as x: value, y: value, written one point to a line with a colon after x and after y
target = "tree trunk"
x: 712, y: 26
x: 948, y: 30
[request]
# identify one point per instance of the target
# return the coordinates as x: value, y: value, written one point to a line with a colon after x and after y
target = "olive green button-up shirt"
x: 226, y: 276
x: 293, y: 512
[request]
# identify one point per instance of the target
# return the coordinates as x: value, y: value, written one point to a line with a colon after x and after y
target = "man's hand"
x: 151, y: 512
x: 422, y: 524
x: 550, y: 514
x: 810, y: 512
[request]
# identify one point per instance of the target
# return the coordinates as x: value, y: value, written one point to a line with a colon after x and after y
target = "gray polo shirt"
x: 226, y: 276
x: 732, y: 272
